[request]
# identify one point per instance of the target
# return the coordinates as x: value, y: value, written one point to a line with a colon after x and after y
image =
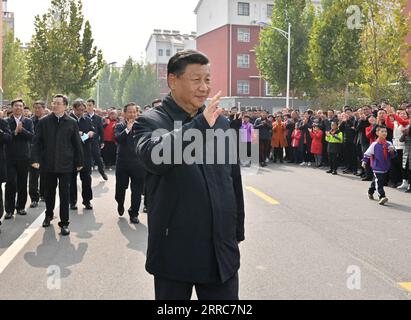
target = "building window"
x: 168, y: 52
x: 270, y: 8
x: 243, y: 61
x: 160, y: 52
x: 243, y: 9
x: 243, y: 35
x: 243, y: 87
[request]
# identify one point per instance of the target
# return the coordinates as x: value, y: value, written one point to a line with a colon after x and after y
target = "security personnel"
x: 97, y: 141
x: 35, y: 193
x: 87, y: 132
x: 5, y: 138
x: 18, y: 155
x: 128, y: 165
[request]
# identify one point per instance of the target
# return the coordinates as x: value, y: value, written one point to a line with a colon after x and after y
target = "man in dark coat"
x: 87, y: 132
x: 195, y: 221
x: 97, y: 141
x: 18, y: 160
x: 57, y: 152
x: 34, y: 175
x: 129, y: 170
x: 5, y: 138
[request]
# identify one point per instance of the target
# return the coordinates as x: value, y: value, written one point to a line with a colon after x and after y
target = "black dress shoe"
x: 88, y: 206
x: 120, y: 211
x: 335, y: 173
x: 46, y: 222
x: 34, y: 204
x: 134, y: 220
x: 22, y: 212
x: 329, y: 171
x: 8, y: 216
x: 65, y: 231
x: 73, y: 207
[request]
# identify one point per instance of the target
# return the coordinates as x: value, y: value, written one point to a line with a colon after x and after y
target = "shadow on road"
x: 136, y: 235
x: 83, y: 224
x: 56, y: 251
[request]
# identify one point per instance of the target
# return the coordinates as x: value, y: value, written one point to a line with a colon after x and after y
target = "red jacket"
x: 317, y: 142
x: 370, y: 137
x: 296, y: 137
x: 109, y: 128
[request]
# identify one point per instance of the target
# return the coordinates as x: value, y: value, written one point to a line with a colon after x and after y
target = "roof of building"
x: 174, y: 37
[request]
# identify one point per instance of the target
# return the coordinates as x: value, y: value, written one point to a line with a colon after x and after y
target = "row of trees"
x: 352, y: 51
x: 133, y: 82
x: 62, y: 57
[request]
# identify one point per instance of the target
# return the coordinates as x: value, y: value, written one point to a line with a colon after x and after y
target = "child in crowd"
x: 317, y: 143
x: 335, y: 140
x: 295, y: 143
x: 379, y: 154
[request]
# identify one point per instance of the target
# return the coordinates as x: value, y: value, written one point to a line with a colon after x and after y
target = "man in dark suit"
x: 57, y: 151
x: 129, y: 167
x: 87, y: 133
x: 35, y: 192
x: 97, y: 141
x: 18, y: 155
x: 195, y: 219
x: 5, y: 138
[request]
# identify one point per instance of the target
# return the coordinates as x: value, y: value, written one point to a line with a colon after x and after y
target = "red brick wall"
x: 256, y: 85
x: 215, y: 45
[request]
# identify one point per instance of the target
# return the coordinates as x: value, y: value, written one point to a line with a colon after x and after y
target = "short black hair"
x: 39, y: 103
x: 65, y: 99
x: 17, y: 100
x: 26, y: 108
x: 77, y: 103
x: 378, y: 128
x: 131, y: 104
x: 179, y: 62
x: 91, y: 101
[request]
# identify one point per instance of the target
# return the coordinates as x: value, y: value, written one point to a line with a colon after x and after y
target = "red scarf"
x: 384, y: 143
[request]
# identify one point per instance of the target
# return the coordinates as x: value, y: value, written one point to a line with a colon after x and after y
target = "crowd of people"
x: 38, y: 151
x: 333, y: 138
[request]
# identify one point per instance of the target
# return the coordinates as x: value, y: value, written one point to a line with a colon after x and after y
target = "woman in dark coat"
x: 5, y: 137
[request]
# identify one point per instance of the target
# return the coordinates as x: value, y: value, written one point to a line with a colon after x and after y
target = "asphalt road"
x: 309, y: 235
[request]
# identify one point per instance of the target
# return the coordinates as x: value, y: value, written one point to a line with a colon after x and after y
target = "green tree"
x: 383, y: 47
x: 62, y: 56
x: 14, y: 69
x: 125, y: 74
x: 272, y: 53
x: 142, y: 85
x: 335, y: 47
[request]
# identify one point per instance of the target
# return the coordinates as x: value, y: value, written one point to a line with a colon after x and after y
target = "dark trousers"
x: 109, y: 153
x: 50, y: 185
x: 378, y: 184
x: 17, y: 174
x: 264, y: 149
x: 289, y: 153
x: 397, y: 171
x: 86, y: 191
x: 96, y: 155
x: 298, y: 156
x: 334, y: 159
x: 126, y: 172
x: 35, y: 180
x: 278, y: 154
x: 350, y: 157
x: 307, y: 155
x: 174, y: 290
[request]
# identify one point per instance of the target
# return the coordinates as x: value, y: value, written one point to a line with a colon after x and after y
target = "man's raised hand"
x: 213, y: 111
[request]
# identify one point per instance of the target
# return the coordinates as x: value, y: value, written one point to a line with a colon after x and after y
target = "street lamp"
x: 98, y: 85
x: 286, y: 35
